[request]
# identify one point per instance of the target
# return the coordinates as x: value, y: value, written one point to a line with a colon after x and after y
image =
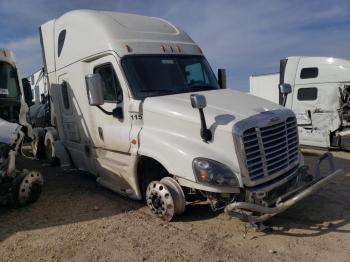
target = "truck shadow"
x: 326, y: 211
x: 197, y: 212
x: 68, y: 196
x: 221, y: 120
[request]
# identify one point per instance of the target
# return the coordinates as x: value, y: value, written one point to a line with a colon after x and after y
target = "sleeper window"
x: 307, y: 94
x: 310, y: 72
x: 61, y: 38
x: 112, y: 91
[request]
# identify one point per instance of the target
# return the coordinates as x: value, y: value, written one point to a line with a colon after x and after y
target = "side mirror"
x: 222, y: 78
x: 198, y: 101
x: 285, y: 89
x: 94, y: 88
x: 27, y: 92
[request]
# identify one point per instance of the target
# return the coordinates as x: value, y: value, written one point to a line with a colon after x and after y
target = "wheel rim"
x: 30, y: 187
x: 160, y: 201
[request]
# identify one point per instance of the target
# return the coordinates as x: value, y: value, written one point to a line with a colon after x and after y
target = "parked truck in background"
x: 17, y: 187
x: 320, y: 98
x: 39, y: 114
x: 38, y: 84
x: 133, y: 101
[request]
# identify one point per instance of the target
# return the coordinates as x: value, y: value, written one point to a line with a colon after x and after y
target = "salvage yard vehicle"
x: 17, y: 187
x: 133, y: 101
x: 320, y: 98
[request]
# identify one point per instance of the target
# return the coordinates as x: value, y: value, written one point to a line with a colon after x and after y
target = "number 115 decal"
x: 136, y: 117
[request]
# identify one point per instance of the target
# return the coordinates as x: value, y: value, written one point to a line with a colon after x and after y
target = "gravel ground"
x: 77, y: 220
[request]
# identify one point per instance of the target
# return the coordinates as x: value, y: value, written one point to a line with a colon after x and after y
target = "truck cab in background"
x: 16, y: 187
x: 134, y: 102
x: 320, y: 98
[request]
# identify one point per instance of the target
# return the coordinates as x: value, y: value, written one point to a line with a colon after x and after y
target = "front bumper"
x: 255, y: 213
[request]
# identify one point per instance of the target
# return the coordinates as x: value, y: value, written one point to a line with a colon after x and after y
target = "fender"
x: 176, y: 152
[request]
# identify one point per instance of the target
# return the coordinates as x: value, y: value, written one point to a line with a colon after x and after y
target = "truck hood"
x: 171, y: 128
x: 224, y: 107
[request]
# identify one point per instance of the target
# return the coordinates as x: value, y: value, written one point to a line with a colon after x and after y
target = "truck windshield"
x: 168, y: 74
x: 9, y: 87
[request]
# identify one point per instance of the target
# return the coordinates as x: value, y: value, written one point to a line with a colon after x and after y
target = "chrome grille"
x: 271, y: 149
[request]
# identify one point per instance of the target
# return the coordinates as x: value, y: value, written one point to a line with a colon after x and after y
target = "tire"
x: 176, y: 193
x: 152, y: 171
x: 26, y: 188
x: 38, y: 146
x: 50, y: 137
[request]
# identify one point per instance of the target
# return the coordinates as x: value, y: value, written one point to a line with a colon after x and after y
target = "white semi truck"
x: 320, y: 98
x: 17, y: 187
x: 134, y: 102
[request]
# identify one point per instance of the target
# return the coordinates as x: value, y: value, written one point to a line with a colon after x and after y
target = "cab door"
x: 110, y: 133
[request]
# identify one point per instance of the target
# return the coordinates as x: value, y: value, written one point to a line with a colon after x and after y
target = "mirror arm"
x: 117, y: 112
x: 205, y: 132
x: 104, y: 111
x: 284, y: 99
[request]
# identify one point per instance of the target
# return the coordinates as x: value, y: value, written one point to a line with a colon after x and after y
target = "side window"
x: 307, y: 94
x: 65, y: 95
x: 112, y: 91
x: 61, y: 38
x: 195, y: 74
x: 310, y: 72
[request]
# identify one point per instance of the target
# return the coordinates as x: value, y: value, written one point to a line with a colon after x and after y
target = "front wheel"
x: 165, y: 198
x: 49, y: 143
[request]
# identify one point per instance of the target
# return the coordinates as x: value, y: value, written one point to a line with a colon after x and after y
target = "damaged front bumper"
x: 304, y: 186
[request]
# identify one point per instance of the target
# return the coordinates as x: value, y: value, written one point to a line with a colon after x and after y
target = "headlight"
x: 212, y: 172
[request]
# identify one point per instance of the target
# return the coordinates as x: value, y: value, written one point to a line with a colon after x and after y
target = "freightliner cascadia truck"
x: 320, y: 98
x: 134, y: 101
x: 17, y: 187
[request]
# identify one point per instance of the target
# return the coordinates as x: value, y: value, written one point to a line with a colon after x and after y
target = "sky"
x: 245, y: 37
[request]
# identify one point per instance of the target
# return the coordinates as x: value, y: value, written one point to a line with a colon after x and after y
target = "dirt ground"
x: 77, y: 220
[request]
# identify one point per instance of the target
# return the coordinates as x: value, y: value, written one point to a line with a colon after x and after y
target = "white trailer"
x: 320, y: 98
x: 16, y: 187
x: 134, y: 102
x: 265, y: 86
